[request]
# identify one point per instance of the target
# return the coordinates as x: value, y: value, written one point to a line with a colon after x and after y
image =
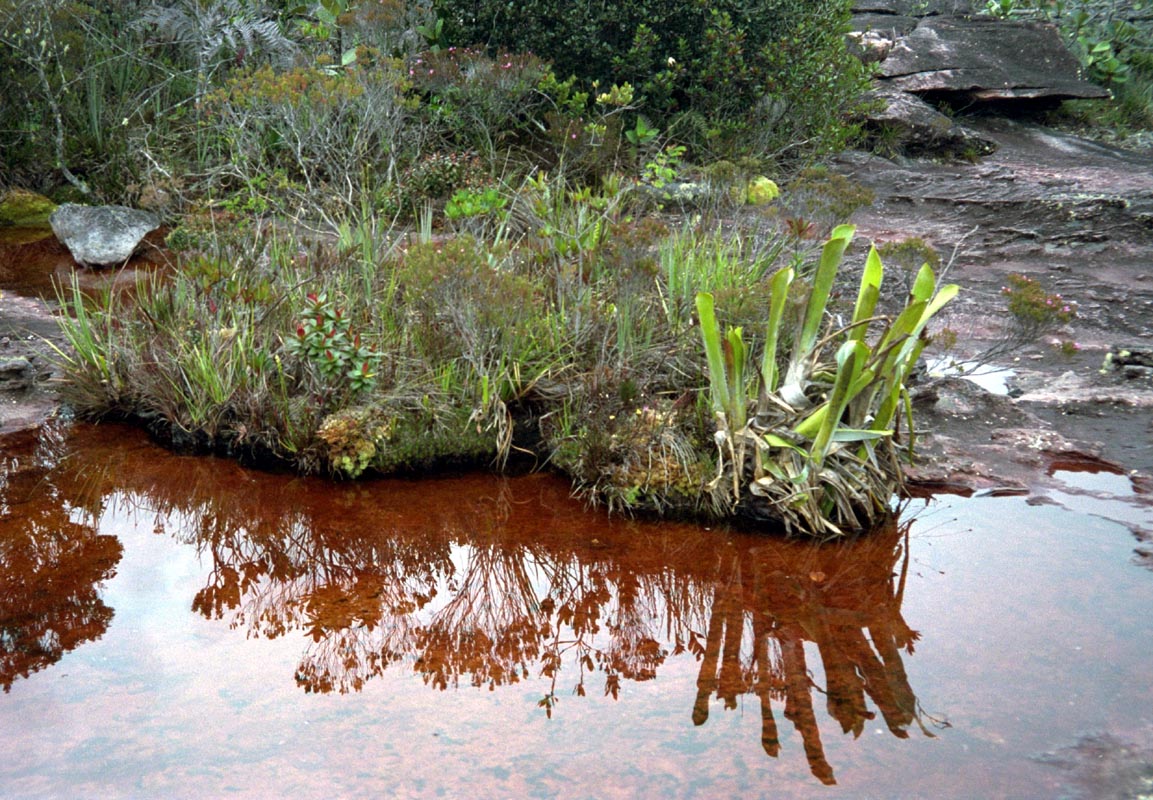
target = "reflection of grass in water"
x: 15, y: 235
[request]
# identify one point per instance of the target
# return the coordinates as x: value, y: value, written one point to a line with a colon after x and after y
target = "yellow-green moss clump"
x: 23, y: 208
x: 762, y: 191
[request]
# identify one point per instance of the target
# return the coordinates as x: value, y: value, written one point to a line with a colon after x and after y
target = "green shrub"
x: 474, y: 101
x: 436, y: 176
x: 325, y: 138
x: 721, y: 76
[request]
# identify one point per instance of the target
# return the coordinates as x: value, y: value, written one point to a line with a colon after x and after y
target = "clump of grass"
x: 578, y: 342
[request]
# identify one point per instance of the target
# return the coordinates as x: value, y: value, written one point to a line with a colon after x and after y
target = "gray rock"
x: 986, y: 60
x: 101, y: 235
x: 903, y: 124
x: 914, y: 8
x: 888, y: 26
x: 16, y: 372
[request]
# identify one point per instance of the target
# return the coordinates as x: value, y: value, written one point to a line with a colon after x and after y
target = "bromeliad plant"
x: 819, y: 452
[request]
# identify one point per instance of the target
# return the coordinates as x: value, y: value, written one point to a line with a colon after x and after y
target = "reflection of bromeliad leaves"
x: 833, y: 597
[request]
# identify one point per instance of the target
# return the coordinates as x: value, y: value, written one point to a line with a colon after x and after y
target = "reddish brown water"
x: 181, y: 627
x: 34, y: 263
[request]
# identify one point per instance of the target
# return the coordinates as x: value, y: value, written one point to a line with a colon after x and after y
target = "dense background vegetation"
x: 191, y: 96
x: 727, y: 76
x: 411, y: 234
x: 188, y: 99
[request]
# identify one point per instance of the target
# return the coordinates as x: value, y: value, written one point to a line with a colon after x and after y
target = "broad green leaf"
x: 773, y: 440
x: 869, y: 293
x: 810, y: 425
x: 858, y: 435
x: 735, y: 351
x: 714, y: 351
x: 850, y: 361
x: 831, y: 255
x: 778, y: 296
x: 925, y: 283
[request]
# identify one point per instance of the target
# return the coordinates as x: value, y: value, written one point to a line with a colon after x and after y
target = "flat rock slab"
x: 986, y: 60
x: 27, y: 395
x: 914, y: 8
x: 101, y: 235
x: 1077, y: 216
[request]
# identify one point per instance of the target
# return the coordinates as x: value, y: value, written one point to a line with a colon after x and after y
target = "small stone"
x: 101, y: 235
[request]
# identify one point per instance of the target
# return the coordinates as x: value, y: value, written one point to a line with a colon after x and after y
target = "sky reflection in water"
x: 175, y: 626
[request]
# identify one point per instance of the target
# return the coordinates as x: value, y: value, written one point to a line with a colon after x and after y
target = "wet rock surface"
x: 27, y: 399
x: 1075, y: 215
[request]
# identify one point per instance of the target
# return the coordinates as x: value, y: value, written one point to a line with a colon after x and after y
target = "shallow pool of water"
x: 182, y: 627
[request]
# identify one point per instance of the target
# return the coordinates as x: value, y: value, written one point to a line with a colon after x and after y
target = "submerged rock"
x: 101, y: 235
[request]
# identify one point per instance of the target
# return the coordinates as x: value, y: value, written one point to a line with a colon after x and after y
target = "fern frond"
x: 219, y: 30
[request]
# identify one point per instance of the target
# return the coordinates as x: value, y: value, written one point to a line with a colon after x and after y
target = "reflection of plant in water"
x: 515, y: 612
x: 848, y: 607
x: 478, y: 589
x: 51, y: 568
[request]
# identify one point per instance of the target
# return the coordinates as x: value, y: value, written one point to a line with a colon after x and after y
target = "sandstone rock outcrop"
x: 942, y: 52
x: 980, y: 60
